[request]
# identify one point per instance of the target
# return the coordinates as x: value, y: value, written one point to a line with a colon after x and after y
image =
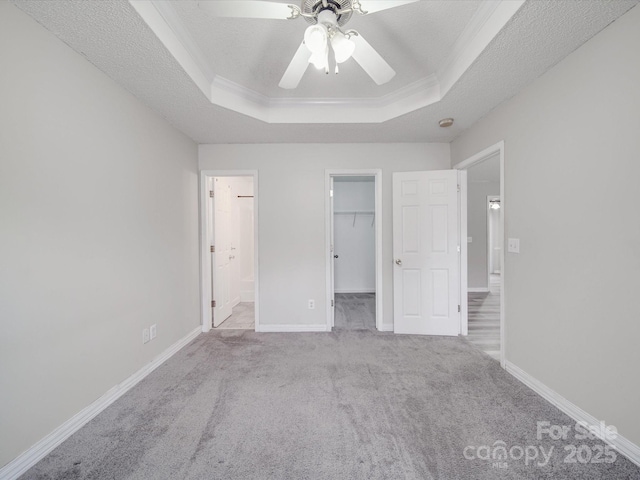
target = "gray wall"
x: 477, y: 250
x: 571, y: 138
x: 291, y: 186
x: 99, y: 222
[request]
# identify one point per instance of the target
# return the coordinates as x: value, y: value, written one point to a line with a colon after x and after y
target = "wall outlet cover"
x: 312, y: 304
x: 145, y: 335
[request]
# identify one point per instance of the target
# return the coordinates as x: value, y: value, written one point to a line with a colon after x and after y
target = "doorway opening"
x: 229, y: 267
x: 484, y: 250
x: 354, y: 285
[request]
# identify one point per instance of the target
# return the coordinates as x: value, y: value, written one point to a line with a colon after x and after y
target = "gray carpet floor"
x: 355, y: 311
x: 344, y: 405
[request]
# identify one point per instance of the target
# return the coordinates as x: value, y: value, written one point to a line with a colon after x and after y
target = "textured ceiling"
x: 415, y: 39
x: 112, y: 35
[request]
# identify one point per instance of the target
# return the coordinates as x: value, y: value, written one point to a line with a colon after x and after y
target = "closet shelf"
x: 355, y: 213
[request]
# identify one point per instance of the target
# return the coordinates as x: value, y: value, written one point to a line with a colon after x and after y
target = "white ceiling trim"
x: 487, y: 22
x: 182, y: 34
x: 325, y: 110
x: 489, y: 19
x: 177, y: 46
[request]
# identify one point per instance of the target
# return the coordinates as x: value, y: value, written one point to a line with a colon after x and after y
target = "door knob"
x: 398, y: 262
x: 335, y: 256
x: 231, y: 257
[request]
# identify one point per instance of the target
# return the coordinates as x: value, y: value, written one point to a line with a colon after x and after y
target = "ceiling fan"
x: 325, y: 34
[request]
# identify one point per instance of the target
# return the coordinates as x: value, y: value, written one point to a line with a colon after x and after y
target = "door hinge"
x: 211, y: 193
x: 332, y: 303
x: 213, y: 304
x: 458, y: 187
x: 213, y: 249
x: 458, y: 308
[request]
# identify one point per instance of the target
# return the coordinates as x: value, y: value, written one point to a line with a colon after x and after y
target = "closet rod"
x: 245, y: 196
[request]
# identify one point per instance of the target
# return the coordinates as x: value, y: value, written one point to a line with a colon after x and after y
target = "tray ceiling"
x: 216, y: 79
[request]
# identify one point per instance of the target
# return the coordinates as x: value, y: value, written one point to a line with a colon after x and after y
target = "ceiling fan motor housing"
x: 313, y: 7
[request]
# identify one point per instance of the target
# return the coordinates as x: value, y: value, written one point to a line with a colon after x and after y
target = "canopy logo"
x: 540, y: 455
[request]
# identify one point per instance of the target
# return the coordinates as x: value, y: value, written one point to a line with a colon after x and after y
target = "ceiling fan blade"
x: 371, y: 61
x: 247, y: 9
x: 373, y: 6
x: 296, y: 68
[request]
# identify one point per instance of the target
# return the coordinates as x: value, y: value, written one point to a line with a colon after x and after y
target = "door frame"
x: 497, y: 148
x: 206, y: 276
x: 377, y: 174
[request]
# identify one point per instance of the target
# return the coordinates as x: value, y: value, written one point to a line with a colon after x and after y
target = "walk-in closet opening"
x: 232, y: 252
x: 354, y: 252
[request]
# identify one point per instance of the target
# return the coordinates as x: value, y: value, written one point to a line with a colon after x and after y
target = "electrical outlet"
x: 153, y: 331
x: 312, y: 304
x: 145, y: 335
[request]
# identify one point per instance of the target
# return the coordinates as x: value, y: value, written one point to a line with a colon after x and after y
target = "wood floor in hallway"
x: 242, y: 318
x: 484, y: 319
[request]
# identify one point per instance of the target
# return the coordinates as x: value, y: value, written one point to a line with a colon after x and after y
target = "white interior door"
x: 222, y: 255
x: 333, y: 256
x: 426, y: 277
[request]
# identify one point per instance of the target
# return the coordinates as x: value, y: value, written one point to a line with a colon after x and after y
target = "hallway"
x: 484, y: 319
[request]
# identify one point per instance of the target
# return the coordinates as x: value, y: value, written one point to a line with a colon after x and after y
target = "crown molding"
x: 177, y: 47
x: 490, y: 18
x: 171, y: 17
x: 487, y: 22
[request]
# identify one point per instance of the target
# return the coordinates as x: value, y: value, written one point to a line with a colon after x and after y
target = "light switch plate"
x: 513, y: 245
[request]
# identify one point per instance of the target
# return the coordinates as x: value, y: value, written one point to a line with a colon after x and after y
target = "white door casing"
x: 426, y: 277
x: 496, y: 149
x: 377, y: 173
x: 223, y: 253
x: 207, y: 240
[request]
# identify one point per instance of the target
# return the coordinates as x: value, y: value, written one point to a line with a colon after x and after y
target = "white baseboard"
x: 28, y: 459
x: 623, y: 445
x: 291, y: 328
x: 478, y: 290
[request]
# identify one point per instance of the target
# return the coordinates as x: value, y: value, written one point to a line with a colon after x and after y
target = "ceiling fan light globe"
x: 315, y: 38
x: 319, y: 59
x: 342, y: 47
